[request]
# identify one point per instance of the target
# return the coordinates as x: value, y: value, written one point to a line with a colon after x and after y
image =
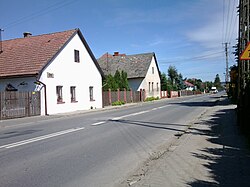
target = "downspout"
x: 45, y: 96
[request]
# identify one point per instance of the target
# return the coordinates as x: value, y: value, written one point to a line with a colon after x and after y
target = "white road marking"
x: 133, y: 114
x: 98, y: 123
x: 40, y: 138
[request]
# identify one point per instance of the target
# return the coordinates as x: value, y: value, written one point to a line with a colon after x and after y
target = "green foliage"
x: 175, y: 81
x: 152, y: 98
x: 119, y: 80
x: 124, y: 80
x: 117, y: 103
x: 110, y: 83
x: 173, y: 74
x: 217, y: 82
x: 199, y: 85
x: 164, y: 81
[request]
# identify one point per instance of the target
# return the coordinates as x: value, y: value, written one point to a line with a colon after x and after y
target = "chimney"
x: 27, y: 34
x: 116, y: 54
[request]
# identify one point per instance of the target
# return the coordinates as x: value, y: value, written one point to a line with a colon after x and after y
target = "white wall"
x: 68, y: 73
x: 152, y: 77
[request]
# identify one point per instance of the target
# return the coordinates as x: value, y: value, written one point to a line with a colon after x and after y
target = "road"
x: 95, y: 149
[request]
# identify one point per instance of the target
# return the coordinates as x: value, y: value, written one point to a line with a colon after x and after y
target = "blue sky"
x: 185, y: 33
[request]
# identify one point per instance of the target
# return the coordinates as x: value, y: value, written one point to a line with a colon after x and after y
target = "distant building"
x: 142, y: 70
x: 189, y: 86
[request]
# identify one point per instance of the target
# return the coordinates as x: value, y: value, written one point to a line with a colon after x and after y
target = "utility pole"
x: 227, y: 71
x: 1, y: 47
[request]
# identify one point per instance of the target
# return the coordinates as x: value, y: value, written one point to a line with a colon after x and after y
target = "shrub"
x: 117, y: 103
x: 152, y: 98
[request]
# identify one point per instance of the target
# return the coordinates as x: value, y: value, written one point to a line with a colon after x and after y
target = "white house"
x: 189, y: 86
x: 142, y: 70
x: 59, y: 65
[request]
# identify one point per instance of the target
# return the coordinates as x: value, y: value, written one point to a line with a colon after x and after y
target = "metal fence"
x: 19, y: 104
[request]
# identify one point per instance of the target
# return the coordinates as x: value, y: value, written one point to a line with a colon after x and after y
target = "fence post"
x: 109, y: 94
x: 131, y: 96
x: 118, y: 94
x: 0, y: 105
x: 125, y: 95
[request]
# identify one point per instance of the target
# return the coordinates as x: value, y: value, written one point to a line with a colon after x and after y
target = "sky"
x: 187, y: 34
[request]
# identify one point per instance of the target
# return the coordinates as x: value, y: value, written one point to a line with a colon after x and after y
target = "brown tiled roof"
x: 27, y: 56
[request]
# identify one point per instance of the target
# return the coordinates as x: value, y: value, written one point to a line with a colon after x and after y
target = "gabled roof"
x: 188, y: 84
x: 28, y: 56
x: 136, y: 65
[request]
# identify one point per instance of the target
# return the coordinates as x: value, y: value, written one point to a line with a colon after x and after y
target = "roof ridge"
x: 76, y: 29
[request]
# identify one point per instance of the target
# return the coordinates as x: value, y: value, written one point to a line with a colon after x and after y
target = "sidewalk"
x: 210, y: 153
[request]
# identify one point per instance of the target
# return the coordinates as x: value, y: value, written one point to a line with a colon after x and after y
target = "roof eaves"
x: 90, y: 52
x: 58, y: 51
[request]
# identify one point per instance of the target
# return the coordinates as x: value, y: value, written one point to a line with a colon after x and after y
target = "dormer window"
x: 77, y: 55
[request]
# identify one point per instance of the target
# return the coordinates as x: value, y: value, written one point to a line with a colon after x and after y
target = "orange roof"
x: 188, y: 84
x: 27, y: 56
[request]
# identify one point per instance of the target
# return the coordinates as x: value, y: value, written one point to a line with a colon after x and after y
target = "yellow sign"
x: 246, y: 53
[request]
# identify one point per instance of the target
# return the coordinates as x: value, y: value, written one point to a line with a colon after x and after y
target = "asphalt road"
x: 94, y: 149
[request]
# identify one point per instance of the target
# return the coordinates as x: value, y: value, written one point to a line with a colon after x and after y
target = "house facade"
x: 142, y: 70
x: 189, y: 86
x: 59, y: 65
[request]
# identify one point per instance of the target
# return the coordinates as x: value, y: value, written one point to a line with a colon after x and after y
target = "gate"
x: 19, y: 104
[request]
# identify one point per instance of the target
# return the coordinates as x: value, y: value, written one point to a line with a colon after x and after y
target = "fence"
x: 188, y: 92
x: 19, y: 104
x: 110, y: 97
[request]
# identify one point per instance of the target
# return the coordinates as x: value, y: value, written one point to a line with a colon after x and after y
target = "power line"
x: 42, y: 12
x: 228, y: 11
x: 203, y: 57
x: 233, y: 19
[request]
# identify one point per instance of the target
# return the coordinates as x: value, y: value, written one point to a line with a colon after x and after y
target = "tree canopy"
x: 118, y: 81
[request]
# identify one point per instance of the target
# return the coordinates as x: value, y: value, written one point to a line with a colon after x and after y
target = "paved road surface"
x: 92, y: 149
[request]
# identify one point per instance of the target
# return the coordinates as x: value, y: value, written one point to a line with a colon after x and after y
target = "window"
x: 157, y: 86
x: 91, y: 93
x: 152, y: 86
x: 149, y: 86
x: 59, y: 94
x: 73, y: 93
x: 77, y: 56
x: 153, y: 70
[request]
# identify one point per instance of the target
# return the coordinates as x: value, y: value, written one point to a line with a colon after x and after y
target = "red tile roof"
x: 27, y: 56
x: 188, y: 84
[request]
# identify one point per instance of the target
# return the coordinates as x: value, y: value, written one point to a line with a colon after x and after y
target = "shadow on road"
x: 164, y: 126
x: 17, y: 133
x: 228, y: 161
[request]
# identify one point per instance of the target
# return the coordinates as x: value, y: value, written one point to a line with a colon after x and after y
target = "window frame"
x: 91, y: 93
x: 76, y: 55
x: 59, y: 94
x: 73, y: 94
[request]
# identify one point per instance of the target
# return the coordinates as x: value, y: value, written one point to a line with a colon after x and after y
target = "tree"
x: 179, y: 82
x: 109, y: 83
x: 119, y: 80
x: 163, y: 81
x: 173, y: 74
x: 217, y: 82
x: 124, y: 80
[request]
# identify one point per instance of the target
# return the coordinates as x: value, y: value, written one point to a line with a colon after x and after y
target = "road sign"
x: 246, y: 53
